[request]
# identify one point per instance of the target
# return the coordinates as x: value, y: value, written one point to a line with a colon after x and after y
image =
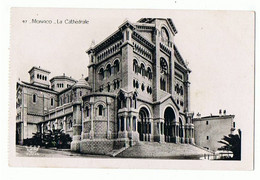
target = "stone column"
x: 64, y: 124
x: 131, y: 123
x: 124, y: 123
x: 108, y: 117
x: 91, y: 133
x: 136, y: 124
x: 41, y: 128
x: 119, y: 124
x: 77, y: 127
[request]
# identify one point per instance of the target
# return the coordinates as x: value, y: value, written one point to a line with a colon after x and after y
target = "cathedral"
x: 137, y: 89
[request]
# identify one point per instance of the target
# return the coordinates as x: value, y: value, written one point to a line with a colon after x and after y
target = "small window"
x: 100, y: 110
x: 70, y: 124
x: 34, y: 98
x: 207, y: 137
x: 80, y: 93
x: 234, y: 124
x: 108, y: 88
x: 52, y: 101
x: 142, y: 87
x: 116, y: 66
x: 207, y: 122
x: 109, y: 71
x: 87, y: 109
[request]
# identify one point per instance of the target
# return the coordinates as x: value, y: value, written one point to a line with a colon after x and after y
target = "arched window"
x: 116, y: 66
x: 142, y: 87
x: 38, y: 76
x: 34, y: 98
x: 52, y: 101
x: 101, y: 74
x: 181, y: 90
x: 162, y: 84
x: 164, y: 36
x: 178, y: 89
x: 100, y: 110
x: 61, y: 125
x: 163, y: 66
x: 87, y: 111
x: 149, y: 73
x: 135, y: 66
x: 142, y: 70
x: 108, y: 69
x: 118, y: 84
x: 108, y: 87
x: 70, y: 124
x: 137, y: 84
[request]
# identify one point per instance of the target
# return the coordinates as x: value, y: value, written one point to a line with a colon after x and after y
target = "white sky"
x: 219, y: 46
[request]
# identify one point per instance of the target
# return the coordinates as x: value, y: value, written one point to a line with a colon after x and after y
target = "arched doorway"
x: 169, y: 117
x: 144, y: 125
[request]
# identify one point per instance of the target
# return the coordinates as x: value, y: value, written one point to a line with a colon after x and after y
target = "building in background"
x: 137, y: 89
x: 211, y: 129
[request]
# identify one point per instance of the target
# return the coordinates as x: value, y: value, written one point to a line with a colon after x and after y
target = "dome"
x: 81, y: 83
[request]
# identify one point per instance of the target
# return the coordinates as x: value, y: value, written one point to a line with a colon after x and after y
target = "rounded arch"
x: 173, y: 108
x: 142, y: 69
x: 34, y: 98
x: 108, y: 70
x: 165, y: 27
x: 135, y: 65
x: 98, y: 103
x: 149, y: 72
x: 100, y: 107
x: 144, y: 127
x: 146, y: 107
x: 169, y: 115
x: 101, y: 73
x: 116, y: 65
x: 116, y: 59
x: 164, y: 67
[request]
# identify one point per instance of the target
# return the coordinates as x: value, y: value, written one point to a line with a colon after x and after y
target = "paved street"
x: 23, y: 151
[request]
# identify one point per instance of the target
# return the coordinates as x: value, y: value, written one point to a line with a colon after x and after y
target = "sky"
x: 219, y: 46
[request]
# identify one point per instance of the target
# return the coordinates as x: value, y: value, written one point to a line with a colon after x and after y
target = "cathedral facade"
x: 137, y: 89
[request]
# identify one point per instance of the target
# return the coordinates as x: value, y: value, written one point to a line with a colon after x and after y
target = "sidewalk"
x: 21, y: 151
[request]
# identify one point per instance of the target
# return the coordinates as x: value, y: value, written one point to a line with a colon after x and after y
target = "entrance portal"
x: 144, y: 126
x: 169, y: 117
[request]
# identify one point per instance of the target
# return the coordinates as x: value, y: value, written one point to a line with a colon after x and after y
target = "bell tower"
x: 39, y: 76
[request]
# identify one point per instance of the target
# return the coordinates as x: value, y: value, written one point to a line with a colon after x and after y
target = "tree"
x: 57, y: 138
x: 52, y: 138
x: 232, y: 143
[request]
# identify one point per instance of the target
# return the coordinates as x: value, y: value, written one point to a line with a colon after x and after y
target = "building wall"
x: 113, y: 78
x: 208, y: 131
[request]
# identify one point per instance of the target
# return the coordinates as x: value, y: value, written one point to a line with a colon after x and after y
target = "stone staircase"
x: 163, y: 150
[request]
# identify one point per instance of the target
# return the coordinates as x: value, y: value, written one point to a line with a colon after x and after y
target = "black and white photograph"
x: 124, y: 88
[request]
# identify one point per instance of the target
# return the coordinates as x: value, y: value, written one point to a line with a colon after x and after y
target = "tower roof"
x: 81, y: 83
x: 38, y: 68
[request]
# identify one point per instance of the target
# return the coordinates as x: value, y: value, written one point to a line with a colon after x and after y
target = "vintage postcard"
x: 113, y: 88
